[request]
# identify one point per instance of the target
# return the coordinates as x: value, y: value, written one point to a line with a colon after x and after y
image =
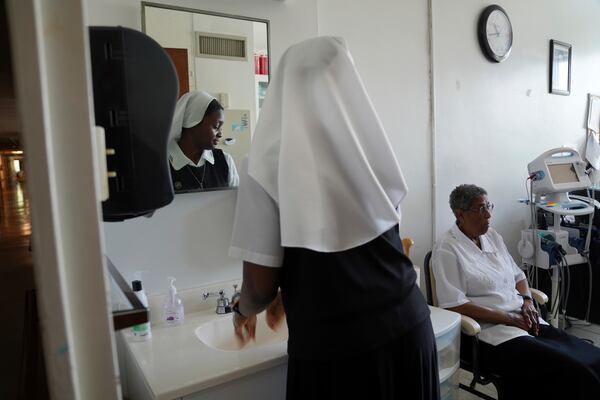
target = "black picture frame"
x: 561, y: 55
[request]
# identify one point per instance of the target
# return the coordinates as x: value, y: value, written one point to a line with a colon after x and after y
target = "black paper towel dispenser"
x: 135, y: 91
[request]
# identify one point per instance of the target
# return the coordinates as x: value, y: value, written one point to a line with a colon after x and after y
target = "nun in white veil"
x: 196, y: 163
x: 317, y: 217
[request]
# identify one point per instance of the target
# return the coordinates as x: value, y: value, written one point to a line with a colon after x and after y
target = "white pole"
x: 50, y: 60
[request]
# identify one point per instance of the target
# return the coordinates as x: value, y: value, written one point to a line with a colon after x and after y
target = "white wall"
x: 227, y: 76
x: 260, y: 37
x: 388, y: 41
x: 189, y: 238
x: 492, y: 119
x: 173, y: 28
x: 291, y: 21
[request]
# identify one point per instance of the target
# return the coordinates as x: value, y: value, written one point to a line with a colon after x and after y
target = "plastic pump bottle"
x: 142, y: 331
x: 173, y: 307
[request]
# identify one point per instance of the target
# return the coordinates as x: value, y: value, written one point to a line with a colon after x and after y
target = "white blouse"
x: 179, y: 160
x: 487, y: 277
x: 256, y: 236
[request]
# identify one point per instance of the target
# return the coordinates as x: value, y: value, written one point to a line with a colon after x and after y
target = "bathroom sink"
x: 219, y: 335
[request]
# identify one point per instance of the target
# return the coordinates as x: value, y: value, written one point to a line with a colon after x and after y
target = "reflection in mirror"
x: 222, y: 63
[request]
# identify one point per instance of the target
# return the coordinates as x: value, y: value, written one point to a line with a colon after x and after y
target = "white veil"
x: 320, y: 151
x: 189, y: 111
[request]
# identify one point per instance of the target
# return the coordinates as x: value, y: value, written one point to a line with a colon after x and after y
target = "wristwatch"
x: 525, y: 297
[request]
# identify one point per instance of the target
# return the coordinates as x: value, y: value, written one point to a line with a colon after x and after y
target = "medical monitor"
x: 563, y: 173
x: 558, y: 170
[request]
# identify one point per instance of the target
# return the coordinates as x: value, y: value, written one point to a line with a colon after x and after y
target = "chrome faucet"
x: 222, y: 301
x: 236, y: 294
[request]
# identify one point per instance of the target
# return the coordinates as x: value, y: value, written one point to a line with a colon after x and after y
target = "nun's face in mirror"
x: 196, y: 163
x: 227, y: 58
x: 207, y: 134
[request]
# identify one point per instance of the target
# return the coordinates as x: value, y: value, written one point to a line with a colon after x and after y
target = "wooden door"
x: 180, y: 60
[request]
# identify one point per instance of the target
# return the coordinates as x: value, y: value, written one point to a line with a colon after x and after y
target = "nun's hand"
x: 275, y: 313
x: 244, y: 327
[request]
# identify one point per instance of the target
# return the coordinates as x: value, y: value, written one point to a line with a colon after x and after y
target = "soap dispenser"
x: 173, y: 307
x: 141, y: 331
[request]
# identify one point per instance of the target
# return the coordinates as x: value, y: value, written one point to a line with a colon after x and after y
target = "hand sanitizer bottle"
x: 173, y: 307
x: 142, y: 331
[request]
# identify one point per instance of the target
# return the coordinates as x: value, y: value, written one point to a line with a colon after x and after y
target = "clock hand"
x: 496, y: 28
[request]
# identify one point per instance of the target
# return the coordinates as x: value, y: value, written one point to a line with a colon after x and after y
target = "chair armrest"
x: 407, y: 243
x: 539, y: 296
x: 469, y: 326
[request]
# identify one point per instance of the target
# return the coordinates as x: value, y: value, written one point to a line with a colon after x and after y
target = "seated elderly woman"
x: 476, y: 276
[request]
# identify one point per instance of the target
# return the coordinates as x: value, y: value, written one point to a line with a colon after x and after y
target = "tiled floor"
x: 16, y: 276
x: 578, y: 328
x: 465, y: 379
x: 586, y: 331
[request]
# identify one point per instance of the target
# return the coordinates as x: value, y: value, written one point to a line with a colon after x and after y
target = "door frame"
x: 50, y: 53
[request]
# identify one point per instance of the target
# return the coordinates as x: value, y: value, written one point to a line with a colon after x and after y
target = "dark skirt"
x: 405, y: 368
x: 553, y: 365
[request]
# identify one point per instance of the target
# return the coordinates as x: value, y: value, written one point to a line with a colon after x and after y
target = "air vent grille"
x: 220, y: 46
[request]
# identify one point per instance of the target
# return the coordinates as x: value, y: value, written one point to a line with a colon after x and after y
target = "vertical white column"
x: 50, y: 57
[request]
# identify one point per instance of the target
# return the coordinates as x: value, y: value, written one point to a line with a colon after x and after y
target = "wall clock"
x: 495, y: 33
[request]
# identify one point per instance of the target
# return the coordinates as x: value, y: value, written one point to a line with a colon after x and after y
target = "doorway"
x: 22, y: 373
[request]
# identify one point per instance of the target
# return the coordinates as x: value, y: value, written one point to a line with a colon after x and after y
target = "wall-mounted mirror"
x: 227, y: 57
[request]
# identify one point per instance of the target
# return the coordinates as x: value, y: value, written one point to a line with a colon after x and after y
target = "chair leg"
x: 476, y: 392
x: 475, y: 361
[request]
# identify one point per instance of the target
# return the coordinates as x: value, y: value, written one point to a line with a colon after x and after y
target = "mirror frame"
x: 213, y: 13
x: 216, y: 14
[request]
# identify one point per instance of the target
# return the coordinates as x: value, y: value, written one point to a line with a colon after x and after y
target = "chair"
x: 407, y: 243
x: 471, y: 328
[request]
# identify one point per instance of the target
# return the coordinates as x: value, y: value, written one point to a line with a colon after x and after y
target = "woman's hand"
x: 530, y: 315
x: 244, y: 327
x: 519, y: 321
x: 275, y: 313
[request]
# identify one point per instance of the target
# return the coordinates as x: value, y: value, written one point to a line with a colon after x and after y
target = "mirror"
x: 227, y: 57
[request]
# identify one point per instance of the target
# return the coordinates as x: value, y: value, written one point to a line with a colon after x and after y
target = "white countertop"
x: 176, y: 363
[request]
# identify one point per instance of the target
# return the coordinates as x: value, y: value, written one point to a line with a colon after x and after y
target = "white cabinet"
x: 268, y: 384
x: 446, y: 326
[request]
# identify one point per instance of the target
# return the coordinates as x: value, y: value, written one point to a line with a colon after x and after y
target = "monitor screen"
x: 563, y: 173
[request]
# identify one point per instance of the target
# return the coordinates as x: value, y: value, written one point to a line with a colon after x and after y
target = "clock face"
x: 495, y: 33
x: 499, y: 33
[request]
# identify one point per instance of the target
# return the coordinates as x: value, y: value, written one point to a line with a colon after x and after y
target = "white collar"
x: 486, y: 245
x: 179, y: 160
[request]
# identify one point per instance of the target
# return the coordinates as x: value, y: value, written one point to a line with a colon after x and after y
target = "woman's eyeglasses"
x: 482, y: 208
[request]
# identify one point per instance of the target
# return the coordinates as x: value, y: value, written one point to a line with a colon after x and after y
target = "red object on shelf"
x: 264, y: 64
x: 266, y: 69
x: 256, y: 64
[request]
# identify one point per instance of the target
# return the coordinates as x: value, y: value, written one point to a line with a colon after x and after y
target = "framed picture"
x: 560, y: 68
x: 593, y: 122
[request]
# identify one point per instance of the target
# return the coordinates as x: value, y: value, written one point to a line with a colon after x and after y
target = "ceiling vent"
x: 214, y: 45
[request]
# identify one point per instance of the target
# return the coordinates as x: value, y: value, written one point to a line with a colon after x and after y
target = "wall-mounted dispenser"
x: 135, y: 90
